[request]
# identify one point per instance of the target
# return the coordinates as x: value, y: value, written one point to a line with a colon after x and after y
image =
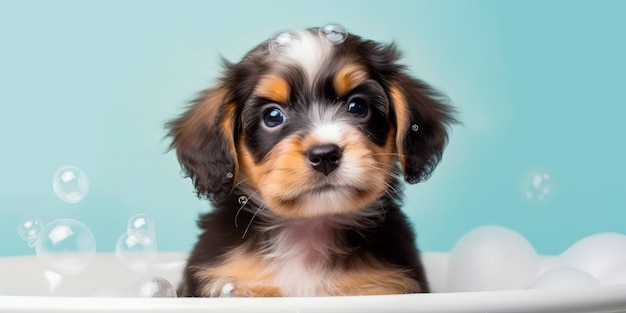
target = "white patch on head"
x: 326, y: 126
x: 328, y: 133
x: 308, y: 50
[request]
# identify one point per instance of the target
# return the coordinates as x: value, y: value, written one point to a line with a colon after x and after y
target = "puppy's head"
x: 312, y: 123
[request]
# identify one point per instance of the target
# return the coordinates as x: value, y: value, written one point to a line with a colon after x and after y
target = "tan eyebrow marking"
x: 273, y: 88
x: 348, y: 78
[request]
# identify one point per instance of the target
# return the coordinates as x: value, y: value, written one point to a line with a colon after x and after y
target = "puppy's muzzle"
x: 324, y: 158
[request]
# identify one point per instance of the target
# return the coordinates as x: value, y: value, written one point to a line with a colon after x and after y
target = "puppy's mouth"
x: 323, y: 188
x: 330, y: 188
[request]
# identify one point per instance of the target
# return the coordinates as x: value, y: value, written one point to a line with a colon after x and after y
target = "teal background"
x: 539, y: 86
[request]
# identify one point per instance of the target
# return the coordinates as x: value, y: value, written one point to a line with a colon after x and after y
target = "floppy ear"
x: 422, y: 119
x: 203, y: 137
x: 421, y: 114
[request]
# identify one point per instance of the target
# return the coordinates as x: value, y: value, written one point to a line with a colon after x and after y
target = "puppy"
x: 300, y: 147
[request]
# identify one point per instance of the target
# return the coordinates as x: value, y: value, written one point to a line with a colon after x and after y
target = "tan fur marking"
x: 265, y: 291
x: 369, y: 276
x: 376, y: 282
x: 274, y: 88
x: 245, y: 266
x: 348, y: 78
x: 201, y: 116
x: 403, y: 119
x: 248, y: 171
x: 226, y: 126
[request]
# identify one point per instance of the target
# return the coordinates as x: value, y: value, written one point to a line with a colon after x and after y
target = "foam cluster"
x: 497, y: 258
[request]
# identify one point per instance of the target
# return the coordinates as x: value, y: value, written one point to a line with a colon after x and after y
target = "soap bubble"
x: 598, y: 255
x: 29, y: 230
x: 3, y: 292
x: 136, y: 250
x: 336, y: 33
x: 66, y: 246
x: 152, y: 287
x: 492, y: 258
x: 616, y: 276
x: 564, y: 277
x: 70, y: 184
x: 144, y: 223
x: 229, y: 286
x: 278, y: 42
x: 538, y: 187
x: 183, y: 173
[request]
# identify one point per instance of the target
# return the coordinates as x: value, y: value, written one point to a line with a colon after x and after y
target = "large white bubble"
x: 492, y: 258
x: 599, y: 255
x: 564, y: 277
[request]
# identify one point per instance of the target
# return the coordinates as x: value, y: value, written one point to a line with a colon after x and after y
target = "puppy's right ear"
x: 204, y: 140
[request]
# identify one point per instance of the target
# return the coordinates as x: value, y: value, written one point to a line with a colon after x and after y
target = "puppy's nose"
x: 324, y: 158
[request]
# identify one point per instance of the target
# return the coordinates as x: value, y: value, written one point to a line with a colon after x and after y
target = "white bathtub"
x: 34, y: 289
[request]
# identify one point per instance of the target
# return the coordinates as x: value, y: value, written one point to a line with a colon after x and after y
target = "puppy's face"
x: 309, y: 126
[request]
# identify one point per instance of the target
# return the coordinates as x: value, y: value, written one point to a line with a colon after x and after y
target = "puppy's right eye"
x: 273, y: 117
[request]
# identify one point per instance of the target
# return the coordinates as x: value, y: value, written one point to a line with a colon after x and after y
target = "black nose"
x: 324, y: 158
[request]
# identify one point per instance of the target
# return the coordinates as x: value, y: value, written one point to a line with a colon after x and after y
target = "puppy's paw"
x: 229, y: 286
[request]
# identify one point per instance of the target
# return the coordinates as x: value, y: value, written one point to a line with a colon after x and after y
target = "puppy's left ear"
x: 422, y: 120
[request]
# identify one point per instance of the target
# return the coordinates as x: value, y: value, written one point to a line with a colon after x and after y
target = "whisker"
x: 252, y: 219
x: 389, y: 186
x: 242, y: 206
x: 386, y: 172
x: 387, y: 153
x: 388, y: 192
x: 237, y: 185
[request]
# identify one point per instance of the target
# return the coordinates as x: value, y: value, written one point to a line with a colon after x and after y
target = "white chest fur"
x: 299, y: 257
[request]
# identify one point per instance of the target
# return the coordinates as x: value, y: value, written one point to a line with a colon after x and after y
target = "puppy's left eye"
x: 358, y: 107
x: 273, y: 117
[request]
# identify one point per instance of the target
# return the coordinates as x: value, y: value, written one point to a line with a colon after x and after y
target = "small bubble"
x: 336, y: 33
x: 70, y: 184
x: 29, y: 230
x: 136, y: 250
x: 66, y: 246
x: 228, y: 286
x: 153, y: 287
x: 142, y: 222
x: 539, y: 187
x: 183, y: 173
x: 243, y: 200
x: 278, y: 42
x: 415, y: 127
